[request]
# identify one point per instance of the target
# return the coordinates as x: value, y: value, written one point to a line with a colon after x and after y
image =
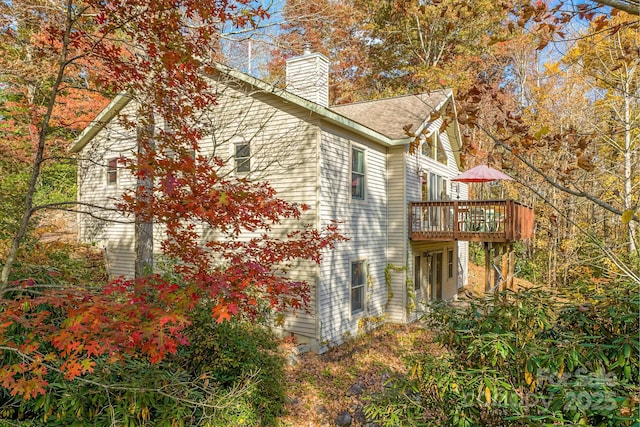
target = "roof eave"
x: 441, y: 105
x: 106, y: 115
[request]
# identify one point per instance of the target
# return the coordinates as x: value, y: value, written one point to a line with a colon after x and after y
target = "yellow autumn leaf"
x: 541, y: 132
x: 528, y: 378
x: 487, y: 395
x: 627, y: 216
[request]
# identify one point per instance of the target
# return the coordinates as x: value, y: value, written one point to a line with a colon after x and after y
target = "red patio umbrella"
x: 482, y: 173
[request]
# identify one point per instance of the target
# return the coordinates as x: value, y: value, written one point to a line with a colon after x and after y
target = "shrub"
x: 233, y: 351
x: 529, y: 358
x: 230, y: 375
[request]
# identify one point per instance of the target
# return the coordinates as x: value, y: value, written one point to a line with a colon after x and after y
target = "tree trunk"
x: 627, y: 163
x: 38, y: 160
x: 144, y: 189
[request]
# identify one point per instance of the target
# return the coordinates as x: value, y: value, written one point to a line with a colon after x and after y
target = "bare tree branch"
x: 552, y: 181
x: 629, y: 6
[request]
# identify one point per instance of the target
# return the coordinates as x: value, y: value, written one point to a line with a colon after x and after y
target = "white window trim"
x: 363, y: 149
x: 363, y: 312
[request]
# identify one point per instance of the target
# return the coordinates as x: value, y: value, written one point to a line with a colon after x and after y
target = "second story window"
x: 441, y: 155
x: 242, y: 157
x: 112, y: 172
x: 357, y: 174
x: 427, y: 147
x: 432, y: 147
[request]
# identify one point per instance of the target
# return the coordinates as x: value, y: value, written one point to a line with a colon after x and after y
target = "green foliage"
x: 49, y: 263
x: 133, y: 393
x: 13, y: 184
x: 57, y: 184
x: 231, y: 352
x: 476, y: 253
x: 230, y: 375
x: 531, y: 358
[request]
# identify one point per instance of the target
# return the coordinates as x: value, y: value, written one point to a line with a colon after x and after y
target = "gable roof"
x: 381, y: 121
x: 391, y: 116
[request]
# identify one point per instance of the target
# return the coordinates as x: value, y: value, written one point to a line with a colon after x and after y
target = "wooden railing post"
x: 455, y: 220
x: 509, y: 230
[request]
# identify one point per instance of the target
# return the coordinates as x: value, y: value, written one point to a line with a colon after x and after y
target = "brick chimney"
x: 308, y: 76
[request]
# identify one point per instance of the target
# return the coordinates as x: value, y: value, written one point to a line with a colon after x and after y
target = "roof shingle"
x: 390, y: 116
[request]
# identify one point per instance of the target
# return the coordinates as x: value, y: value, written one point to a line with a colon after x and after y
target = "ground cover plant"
x: 530, y: 358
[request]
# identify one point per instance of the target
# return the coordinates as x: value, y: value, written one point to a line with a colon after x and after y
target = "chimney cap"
x: 306, y: 48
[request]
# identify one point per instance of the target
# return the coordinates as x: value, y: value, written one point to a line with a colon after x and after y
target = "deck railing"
x: 472, y: 220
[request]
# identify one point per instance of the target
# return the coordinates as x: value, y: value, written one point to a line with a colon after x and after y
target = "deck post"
x: 487, y: 266
x: 512, y: 262
x: 505, y: 267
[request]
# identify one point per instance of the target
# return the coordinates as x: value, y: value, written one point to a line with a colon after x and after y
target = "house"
x: 349, y: 163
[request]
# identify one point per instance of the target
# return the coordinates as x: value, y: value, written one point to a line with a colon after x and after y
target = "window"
x: 427, y: 147
x: 357, y: 174
x: 112, y: 172
x: 242, y: 157
x: 450, y: 263
x: 417, y: 273
x: 432, y: 147
x: 358, y: 283
x: 436, y: 188
x: 441, y: 155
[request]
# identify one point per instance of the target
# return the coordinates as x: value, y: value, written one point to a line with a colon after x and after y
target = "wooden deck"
x: 470, y: 220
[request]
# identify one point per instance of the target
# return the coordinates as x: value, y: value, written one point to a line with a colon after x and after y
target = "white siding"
x: 364, y: 222
x: 102, y: 226
x: 398, y: 234
x: 284, y: 149
x: 417, y: 165
x: 284, y: 152
x: 304, y: 164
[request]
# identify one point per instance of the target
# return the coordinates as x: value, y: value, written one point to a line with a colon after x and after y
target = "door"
x: 435, y: 276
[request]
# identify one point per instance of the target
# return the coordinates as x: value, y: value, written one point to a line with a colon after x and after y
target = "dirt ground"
x: 324, y: 388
